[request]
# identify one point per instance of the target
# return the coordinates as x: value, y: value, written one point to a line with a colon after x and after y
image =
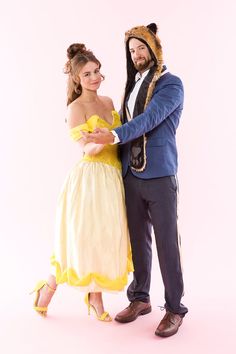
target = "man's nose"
x: 136, y: 54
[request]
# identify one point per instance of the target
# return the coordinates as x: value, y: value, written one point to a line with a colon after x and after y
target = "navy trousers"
x: 153, y: 202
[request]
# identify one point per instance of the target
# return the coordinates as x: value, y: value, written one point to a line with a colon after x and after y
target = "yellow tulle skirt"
x: 92, y: 249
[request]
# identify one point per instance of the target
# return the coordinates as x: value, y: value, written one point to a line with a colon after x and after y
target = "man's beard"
x: 142, y: 65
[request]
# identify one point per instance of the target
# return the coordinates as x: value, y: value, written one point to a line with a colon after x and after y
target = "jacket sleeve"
x: 162, y: 104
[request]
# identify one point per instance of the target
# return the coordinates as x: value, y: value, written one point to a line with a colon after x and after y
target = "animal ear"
x: 152, y: 27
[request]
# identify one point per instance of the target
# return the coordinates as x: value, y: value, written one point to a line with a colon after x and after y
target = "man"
x: 151, y: 109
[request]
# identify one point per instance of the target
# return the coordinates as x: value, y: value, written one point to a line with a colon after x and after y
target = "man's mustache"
x: 141, y: 58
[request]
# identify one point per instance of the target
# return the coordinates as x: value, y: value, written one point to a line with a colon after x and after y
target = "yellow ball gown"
x: 92, y: 248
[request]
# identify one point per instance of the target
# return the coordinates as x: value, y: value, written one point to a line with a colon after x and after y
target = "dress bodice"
x: 109, y: 153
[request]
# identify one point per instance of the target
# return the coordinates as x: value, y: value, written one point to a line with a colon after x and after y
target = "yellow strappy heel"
x: 42, y: 311
x: 105, y: 317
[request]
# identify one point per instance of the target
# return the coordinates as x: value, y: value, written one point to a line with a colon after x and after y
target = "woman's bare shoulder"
x: 75, y: 114
x: 107, y: 101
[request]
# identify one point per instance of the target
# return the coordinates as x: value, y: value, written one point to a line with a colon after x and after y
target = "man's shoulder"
x: 168, y: 79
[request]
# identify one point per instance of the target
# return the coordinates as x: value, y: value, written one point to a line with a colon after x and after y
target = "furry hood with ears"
x: 146, y: 34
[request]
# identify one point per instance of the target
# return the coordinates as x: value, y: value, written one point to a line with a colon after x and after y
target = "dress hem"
x: 70, y: 277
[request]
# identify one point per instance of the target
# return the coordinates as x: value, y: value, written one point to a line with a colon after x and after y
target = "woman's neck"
x: 89, y: 96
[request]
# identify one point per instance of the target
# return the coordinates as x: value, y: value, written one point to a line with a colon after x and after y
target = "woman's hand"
x: 99, y: 136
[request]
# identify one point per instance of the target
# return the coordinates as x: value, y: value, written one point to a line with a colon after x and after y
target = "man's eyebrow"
x: 141, y: 45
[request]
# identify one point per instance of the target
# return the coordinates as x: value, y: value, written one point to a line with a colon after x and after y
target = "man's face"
x: 140, y: 55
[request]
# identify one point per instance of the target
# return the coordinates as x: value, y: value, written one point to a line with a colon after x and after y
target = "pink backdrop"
x: 36, y: 153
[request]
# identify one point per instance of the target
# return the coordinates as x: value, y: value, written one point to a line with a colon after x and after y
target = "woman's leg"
x: 95, y: 300
x: 47, y: 292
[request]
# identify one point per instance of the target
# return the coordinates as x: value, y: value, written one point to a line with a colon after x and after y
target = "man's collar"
x: 164, y: 70
x: 143, y: 75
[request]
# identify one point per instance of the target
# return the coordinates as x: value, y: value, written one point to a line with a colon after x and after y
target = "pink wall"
x: 36, y: 152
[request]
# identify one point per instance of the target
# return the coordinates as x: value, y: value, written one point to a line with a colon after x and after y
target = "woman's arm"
x: 75, y: 117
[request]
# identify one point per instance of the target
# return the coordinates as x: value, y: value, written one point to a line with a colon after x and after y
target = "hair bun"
x: 152, y: 27
x: 75, y: 49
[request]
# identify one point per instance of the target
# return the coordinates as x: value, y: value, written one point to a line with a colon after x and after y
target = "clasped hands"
x: 98, y: 136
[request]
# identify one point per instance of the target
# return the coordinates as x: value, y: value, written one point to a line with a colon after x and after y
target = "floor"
x: 209, y: 326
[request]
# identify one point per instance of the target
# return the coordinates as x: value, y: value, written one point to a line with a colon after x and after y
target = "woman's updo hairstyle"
x: 78, y: 56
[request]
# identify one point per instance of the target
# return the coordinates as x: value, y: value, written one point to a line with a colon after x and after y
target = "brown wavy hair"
x: 78, y: 56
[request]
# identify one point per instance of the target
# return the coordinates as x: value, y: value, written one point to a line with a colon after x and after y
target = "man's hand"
x: 99, y: 136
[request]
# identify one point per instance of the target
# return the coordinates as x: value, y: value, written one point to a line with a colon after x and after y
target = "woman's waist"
x: 107, y: 159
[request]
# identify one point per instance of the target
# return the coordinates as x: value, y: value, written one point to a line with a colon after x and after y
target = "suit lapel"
x: 142, y: 94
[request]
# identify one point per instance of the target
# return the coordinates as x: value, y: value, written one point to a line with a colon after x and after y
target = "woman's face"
x: 90, y: 76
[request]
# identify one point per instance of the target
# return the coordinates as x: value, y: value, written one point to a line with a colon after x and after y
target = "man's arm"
x: 162, y: 104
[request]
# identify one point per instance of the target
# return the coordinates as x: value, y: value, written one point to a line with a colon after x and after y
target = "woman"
x: 92, y: 250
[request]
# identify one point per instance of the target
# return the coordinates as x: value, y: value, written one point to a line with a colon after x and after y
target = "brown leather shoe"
x: 169, y: 325
x: 134, y: 310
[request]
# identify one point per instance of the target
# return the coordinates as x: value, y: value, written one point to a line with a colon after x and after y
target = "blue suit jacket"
x: 159, y: 121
